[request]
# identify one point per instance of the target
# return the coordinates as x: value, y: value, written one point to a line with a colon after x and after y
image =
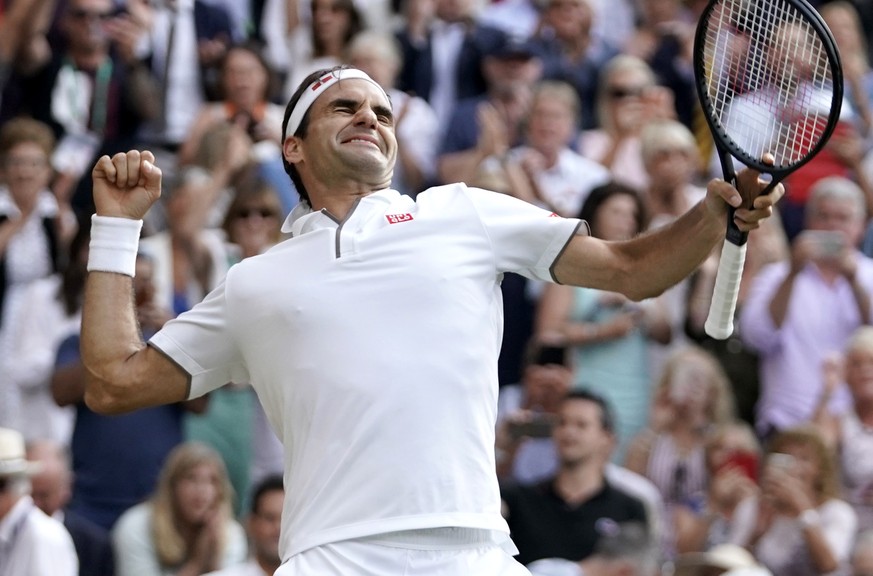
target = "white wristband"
x: 114, y: 243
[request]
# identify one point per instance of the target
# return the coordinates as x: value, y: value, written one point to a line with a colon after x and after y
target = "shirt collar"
x: 303, y: 219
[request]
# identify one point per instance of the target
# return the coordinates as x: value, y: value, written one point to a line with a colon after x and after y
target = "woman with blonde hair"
x: 692, y: 396
x: 187, y: 527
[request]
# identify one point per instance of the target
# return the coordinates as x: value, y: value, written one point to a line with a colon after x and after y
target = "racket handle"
x: 720, y: 322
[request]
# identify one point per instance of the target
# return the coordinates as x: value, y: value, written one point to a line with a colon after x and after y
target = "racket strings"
x: 769, y: 81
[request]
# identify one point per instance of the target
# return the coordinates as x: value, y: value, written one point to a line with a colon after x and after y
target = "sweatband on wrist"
x: 114, y: 243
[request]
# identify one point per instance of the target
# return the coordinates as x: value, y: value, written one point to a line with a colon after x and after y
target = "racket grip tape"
x: 720, y: 321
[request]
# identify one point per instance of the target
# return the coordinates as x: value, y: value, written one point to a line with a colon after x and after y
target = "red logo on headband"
x: 323, y: 80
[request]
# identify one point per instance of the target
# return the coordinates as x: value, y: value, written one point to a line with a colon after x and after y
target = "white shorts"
x: 369, y: 558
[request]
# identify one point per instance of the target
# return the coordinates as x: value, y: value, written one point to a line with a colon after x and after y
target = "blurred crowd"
x: 628, y: 442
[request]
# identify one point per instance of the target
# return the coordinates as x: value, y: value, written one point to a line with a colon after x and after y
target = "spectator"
x: 23, y: 45
x: 187, y: 525
x: 262, y: 526
x: 378, y: 54
x: 850, y: 434
x: 93, y: 93
x: 50, y: 313
x: 571, y: 54
x: 732, y: 457
x: 41, y: 545
x: 115, y: 465
x: 30, y: 248
x: 52, y: 488
x: 559, y: 178
x: 800, y: 311
x: 609, y: 335
x: 443, y: 49
x: 627, y: 99
x: 692, y: 396
x: 802, y: 528
x: 322, y: 40
x: 560, y: 517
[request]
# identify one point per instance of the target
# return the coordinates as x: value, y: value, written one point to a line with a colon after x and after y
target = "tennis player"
x: 371, y: 336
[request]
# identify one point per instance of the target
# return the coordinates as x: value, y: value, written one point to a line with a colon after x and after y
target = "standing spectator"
x: 627, y: 99
x: 378, y: 54
x: 93, y: 93
x: 23, y: 46
x: 800, y: 311
x: 559, y: 177
x: 560, y: 517
x: 187, y: 526
x: 52, y: 488
x: 263, y: 526
x: 572, y: 54
x: 443, y: 50
x: 30, y: 248
x: 609, y: 335
x: 31, y: 543
x: 850, y: 434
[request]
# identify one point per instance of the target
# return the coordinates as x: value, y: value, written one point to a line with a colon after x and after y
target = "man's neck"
x: 268, y: 565
x: 577, y: 483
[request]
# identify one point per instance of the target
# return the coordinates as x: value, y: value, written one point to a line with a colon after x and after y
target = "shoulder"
x: 134, y: 520
x: 51, y: 534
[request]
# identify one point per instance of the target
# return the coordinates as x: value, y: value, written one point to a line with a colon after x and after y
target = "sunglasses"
x: 246, y: 213
x: 622, y: 92
x: 82, y: 14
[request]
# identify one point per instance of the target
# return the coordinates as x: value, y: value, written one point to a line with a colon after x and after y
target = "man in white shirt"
x: 371, y: 336
x: 31, y: 543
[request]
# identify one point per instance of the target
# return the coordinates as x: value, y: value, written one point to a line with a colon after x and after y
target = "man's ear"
x: 291, y: 149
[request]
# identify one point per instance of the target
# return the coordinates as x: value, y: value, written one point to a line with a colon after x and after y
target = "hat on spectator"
x: 12, y: 456
x: 513, y: 47
x: 736, y: 561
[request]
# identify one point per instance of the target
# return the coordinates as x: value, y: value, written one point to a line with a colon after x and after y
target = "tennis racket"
x: 769, y: 80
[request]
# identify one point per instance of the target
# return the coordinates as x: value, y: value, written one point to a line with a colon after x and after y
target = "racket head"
x: 769, y: 80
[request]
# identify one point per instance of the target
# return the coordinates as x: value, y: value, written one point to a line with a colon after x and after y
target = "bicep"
x: 592, y: 263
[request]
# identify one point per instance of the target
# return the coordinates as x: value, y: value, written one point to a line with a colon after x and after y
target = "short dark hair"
x: 607, y: 418
x: 271, y: 483
x: 602, y: 193
x: 290, y: 169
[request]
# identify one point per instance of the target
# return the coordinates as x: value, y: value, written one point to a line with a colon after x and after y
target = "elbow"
x: 104, y: 397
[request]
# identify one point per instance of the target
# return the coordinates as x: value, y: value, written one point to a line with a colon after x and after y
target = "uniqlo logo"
x: 553, y: 215
x: 396, y: 218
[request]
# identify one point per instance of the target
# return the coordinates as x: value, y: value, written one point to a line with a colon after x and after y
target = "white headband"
x: 317, y: 88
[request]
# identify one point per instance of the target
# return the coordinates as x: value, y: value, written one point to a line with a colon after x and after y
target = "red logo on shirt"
x: 553, y: 215
x: 395, y: 218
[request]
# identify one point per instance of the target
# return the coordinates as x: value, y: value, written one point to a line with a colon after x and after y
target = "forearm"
x: 862, y: 299
x: 647, y: 265
x: 823, y: 558
x: 778, y: 307
x: 68, y: 384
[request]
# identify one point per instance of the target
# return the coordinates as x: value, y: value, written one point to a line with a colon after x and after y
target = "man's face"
x: 84, y: 23
x: 264, y: 526
x: 50, y: 488
x: 579, y: 435
x: 837, y: 215
x: 350, y: 137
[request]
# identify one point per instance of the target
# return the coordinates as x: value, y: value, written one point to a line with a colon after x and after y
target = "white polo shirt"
x: 372, y: 344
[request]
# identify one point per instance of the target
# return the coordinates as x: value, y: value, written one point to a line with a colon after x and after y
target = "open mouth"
x: 362, y: 140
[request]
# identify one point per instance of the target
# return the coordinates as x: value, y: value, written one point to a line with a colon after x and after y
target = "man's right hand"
x: 126, y: 185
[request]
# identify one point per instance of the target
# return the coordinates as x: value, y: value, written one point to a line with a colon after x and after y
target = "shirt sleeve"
x: 525, y: 239
x: 756, y: 324
x: 202, y: 343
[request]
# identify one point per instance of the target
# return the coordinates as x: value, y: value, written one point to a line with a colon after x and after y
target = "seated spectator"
x: 609, y: 336
x: 187, y: 526
x: 42, y: 546
x: 263, y: 526
x: 622, y: 550
x: 51, y: 490
x: 732, y: 460
x: 561, y: 517
x: 691, y: 397
x: 802, y: 528
x: 850, y: 434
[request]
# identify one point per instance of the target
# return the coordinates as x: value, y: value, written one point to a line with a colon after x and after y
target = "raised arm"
x: 123, y: 373
x: 647, y: 265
